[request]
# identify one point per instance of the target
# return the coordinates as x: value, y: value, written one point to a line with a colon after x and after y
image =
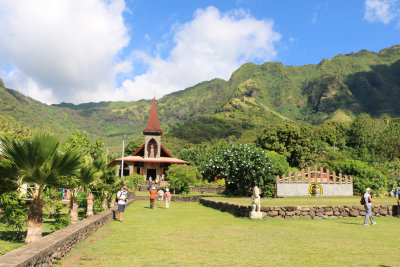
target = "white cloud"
x: 383, y: 11
x: 70, y: 50
x: 65, y: 50
x: 211, y: 45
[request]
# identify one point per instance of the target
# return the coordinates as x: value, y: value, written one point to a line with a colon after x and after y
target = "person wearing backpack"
x: 122, y: 199
x: 368, y: 207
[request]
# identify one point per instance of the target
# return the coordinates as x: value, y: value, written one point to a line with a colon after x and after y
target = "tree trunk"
x: 34, y: 220
x: 104, y: 203
x: 73, y: 209
x: 89, y: 204
x: 111, y: 202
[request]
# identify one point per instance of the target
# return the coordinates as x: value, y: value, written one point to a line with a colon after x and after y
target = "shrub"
x: 14, y: 212
x: 180, y: 176
x: 363, y: 174
x: 61, y: 220
x: 244, y: 166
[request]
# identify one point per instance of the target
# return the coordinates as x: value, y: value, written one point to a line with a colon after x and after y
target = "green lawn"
x: 7, y: 237
x: 189, y: 234
x: 306, y: 201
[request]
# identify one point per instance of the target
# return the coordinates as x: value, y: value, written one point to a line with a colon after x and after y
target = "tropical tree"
x: 289, y: 140
x: 81, y: 182
x: 180, y: 176
x: 244, y: 166
x: 107, y: 182
x: 37, y: 161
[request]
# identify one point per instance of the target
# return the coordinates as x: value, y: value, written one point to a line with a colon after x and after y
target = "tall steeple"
x: 153, y: 125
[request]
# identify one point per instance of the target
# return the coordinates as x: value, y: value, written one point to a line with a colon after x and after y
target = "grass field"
x: 7, y: 237
x: 306, y: 201
x: 189, y: 234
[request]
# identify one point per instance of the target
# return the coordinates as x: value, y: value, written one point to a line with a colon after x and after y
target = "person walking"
x: 167, y: 198
x: 153, y: 194
x: 368, y: 207
x: 122, y: 199
x: 160, y: 196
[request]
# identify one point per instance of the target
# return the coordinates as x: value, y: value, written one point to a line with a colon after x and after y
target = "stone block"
x: 272, y: 213
x: 328, y: 213
x: 354, y: 213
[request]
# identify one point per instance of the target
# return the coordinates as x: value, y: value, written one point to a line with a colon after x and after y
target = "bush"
x: 180, y: 176
x: 244, y: 166
x: 363, y: 174
x: 14, y: 212
x: 51, y: 197
x: 61, y: 220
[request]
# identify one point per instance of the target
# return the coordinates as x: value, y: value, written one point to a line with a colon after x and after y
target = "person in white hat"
x: 368, y: 207
x: 167, y: 198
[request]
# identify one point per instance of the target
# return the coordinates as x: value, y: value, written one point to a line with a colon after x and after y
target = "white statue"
x: 255, y: 212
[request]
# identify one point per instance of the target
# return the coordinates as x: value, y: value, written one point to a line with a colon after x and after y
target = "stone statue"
x: 255, y: 212
x: 151, y: 151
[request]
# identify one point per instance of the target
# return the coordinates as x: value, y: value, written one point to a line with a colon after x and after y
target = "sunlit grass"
x: 189, y: 234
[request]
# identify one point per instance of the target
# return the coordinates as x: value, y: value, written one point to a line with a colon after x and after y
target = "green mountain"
x: 254, y: 96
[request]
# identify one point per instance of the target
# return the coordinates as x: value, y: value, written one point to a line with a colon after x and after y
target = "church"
x: 151, y: 159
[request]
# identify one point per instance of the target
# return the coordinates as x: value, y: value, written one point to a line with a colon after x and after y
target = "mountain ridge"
x: 339, y: 88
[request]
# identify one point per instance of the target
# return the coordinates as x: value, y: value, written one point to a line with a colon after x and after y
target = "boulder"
x: 354, y: 213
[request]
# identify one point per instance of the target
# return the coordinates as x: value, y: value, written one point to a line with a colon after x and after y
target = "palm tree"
x: 37, y: 161
x: 107, y: 181
x: 79, y: 183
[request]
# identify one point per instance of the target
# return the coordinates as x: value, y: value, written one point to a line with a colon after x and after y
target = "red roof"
x: 153, y: 125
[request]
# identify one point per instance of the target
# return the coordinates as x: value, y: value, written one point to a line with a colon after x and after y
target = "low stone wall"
x: 174, y: 198
x: 51, y: 248
x: 203, y: 189
x: 319, y: 212
x: 300, y: 189
x: 206, y: 189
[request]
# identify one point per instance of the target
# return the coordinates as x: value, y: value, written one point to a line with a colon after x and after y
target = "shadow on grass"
x: 352, y: 223
x: 12, y: 236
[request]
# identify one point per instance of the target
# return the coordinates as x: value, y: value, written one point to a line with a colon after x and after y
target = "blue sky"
x: 94, y: 50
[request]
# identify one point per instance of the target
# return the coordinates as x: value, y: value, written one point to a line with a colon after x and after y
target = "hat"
x: 153, y: 188
x: 167, y: 190
x: 368, y: 189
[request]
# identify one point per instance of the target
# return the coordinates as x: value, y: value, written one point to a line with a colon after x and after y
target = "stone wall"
x: 206, y: 189
x: 319, y: 212
x: 301, y: 189
x: 174, y: 198
x: 51, y: 248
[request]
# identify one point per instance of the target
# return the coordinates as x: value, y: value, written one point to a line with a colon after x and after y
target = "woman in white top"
x: 368, y: 207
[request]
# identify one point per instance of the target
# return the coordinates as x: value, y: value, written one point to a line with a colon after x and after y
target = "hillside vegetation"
x: 255, y: 96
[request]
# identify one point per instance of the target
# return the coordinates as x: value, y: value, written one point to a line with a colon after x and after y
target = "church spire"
x: 153, y: 125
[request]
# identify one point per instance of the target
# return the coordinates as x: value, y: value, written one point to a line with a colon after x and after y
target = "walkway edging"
x: 289, y: 212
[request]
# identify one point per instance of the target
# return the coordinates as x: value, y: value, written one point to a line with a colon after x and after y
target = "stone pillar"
x: 118, y: 171
x: 131, y: 171
x: 158, y: 172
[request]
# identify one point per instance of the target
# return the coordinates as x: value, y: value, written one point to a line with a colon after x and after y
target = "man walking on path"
x: 122, y: 199
x: 153, y: 194
x: 368, y: 207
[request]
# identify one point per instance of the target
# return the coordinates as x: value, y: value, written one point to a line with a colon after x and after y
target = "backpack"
x: 362, y: 201
x: 116, y: 197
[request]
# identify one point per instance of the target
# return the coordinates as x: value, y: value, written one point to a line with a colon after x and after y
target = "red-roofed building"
x: 151, y: 159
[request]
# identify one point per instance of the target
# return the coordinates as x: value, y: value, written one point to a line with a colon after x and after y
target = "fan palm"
x: 37, y: 161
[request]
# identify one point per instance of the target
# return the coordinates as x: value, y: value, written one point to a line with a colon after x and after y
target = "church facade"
x: 151, y: 159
